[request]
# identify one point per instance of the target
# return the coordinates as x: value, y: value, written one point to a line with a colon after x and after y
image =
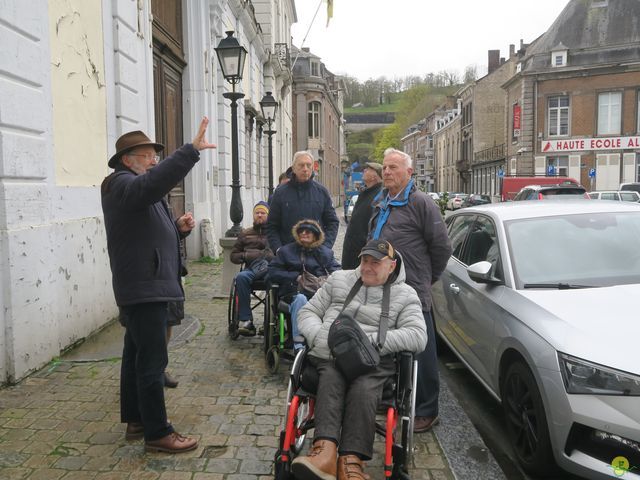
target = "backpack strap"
x: 384, y: 316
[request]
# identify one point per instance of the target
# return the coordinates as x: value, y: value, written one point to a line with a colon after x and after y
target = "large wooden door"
x: 168, y: 64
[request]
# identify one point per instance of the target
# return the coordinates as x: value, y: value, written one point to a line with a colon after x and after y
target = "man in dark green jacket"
x: 144, y: 251
x: 356, y: 235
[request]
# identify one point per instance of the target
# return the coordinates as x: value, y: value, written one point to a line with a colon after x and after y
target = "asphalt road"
x: 485, y: 414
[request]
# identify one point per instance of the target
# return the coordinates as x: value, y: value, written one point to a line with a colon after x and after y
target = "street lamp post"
x: 269, y: 107
x: 231, y: 56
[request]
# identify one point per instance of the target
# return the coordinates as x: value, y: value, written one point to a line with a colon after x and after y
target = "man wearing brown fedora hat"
x: 144, y: 251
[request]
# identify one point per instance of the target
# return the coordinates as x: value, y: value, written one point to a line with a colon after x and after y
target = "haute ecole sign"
x: 600, y: 143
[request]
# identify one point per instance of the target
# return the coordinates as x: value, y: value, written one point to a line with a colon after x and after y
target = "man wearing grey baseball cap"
x: 345, y: 410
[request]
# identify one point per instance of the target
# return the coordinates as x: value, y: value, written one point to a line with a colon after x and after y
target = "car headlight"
x: 582, y: 377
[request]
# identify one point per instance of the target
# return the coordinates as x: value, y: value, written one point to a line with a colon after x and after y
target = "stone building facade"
x: 447, y: 143
x: 318, y: 97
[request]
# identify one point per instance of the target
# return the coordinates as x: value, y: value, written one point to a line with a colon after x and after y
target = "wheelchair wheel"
x: 408, y: 418
x: 273, y: 359
x: 412, y: 416
x: 268, y: 322
x: 303, y: 405
x: 232, y: 313
x: 282, y: 470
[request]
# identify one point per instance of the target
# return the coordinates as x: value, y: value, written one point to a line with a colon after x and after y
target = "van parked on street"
x: 512, y: 185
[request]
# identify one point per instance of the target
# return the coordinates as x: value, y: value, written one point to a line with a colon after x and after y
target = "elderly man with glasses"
x: 143, y: 242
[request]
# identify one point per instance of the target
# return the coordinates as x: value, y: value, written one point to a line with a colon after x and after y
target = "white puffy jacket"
x: 406, y: 329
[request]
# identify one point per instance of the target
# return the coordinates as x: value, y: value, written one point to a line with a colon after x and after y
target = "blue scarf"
x: 385, y: 204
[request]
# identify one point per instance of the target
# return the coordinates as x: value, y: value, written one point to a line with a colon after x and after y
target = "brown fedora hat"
x: 128, y: 142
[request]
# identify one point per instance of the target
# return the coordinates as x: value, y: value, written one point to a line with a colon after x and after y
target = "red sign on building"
x: 516, y: 120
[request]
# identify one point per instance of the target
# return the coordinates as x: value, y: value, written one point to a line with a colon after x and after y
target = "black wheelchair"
x: 397, y: 405
x: 278, y: 343
x: 258, y: 298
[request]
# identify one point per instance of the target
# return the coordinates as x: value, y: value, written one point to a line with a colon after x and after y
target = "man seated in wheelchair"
x: 300, y: 268
x: 345, y: 410
x: 251, y: 249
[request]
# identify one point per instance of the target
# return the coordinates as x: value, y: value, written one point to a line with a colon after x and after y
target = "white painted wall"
x: 75, y: 76
x: 56, y: 138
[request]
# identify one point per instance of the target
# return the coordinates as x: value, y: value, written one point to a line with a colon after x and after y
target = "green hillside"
x: 409, y: 107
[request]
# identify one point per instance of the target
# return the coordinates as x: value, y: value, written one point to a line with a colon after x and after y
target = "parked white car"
x: 619, y: 195
x: 352, y: 203
x: 455, y: 200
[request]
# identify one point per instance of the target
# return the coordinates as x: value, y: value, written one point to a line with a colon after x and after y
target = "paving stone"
x: 47, y: 474
x: 71, y: 463
x: 15, y: 473
x: 80, y: 475
x: 222, y: 465
x: 101, y: 463
x: 11, y: 459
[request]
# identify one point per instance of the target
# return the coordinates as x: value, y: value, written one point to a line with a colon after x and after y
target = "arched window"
x: 314, y: 120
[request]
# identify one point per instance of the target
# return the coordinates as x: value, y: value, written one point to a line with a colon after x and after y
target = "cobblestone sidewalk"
x: 63, y: 421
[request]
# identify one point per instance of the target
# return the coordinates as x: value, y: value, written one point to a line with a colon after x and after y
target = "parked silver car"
x: 540, y: 301
x: 352, y: 203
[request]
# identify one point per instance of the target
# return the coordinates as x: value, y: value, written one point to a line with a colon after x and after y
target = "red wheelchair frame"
x: 398, y: 403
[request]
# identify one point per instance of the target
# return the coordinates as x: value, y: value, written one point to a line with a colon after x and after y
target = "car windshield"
x: 596, y: 250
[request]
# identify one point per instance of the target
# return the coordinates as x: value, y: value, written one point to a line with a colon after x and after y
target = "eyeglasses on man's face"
x: 146, y: 156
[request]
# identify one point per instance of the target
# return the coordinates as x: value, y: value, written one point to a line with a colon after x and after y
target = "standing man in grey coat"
x: 412, y: 221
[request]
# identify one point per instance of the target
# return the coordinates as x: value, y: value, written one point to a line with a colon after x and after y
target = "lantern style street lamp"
x: 269, y: 107
x: 231, y: 56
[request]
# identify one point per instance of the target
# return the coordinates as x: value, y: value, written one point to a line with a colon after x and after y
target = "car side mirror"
x: 480, y: 272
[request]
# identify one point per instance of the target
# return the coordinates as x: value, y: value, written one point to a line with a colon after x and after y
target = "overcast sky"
x: 371, y: 38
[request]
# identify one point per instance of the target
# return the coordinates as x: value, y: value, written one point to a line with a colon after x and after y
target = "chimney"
x: 305, y: 49
x: 512, y: 50
x: 494, y: 60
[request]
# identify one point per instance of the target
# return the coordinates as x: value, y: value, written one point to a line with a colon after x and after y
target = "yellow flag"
x: 329, y: 10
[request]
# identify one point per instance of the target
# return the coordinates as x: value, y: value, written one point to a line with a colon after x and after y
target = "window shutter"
x: 628, y: 167
x: 541, y: 168
x: 574, y: 166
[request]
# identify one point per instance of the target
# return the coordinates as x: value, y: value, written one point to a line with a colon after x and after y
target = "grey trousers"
x: 346, y: 413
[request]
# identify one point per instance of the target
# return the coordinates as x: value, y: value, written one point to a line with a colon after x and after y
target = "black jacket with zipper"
x: 142, y: 238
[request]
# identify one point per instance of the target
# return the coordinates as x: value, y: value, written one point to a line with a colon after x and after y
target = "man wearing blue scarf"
x: 412, y: 221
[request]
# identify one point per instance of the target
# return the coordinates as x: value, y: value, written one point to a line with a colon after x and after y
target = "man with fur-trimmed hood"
x: 306, y: 253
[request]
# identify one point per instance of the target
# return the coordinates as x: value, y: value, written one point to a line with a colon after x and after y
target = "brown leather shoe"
x: 135, y: 431
x: 320, y: 464
x: 169, y: 381
x: 172, y: 443
x: 351, y: 467
x: 424, y: 424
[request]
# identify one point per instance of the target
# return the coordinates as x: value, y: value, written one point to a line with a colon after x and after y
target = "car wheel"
x: 527, y: 421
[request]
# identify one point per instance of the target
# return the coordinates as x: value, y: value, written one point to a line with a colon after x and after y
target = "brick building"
x: 317, y: 117
x: 574, y: 104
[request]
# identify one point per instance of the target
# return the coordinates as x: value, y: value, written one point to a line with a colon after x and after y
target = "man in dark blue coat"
x: 300, y: 198
x: 144, y: 251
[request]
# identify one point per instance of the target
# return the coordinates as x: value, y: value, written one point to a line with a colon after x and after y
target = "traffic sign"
x: 500, y: 173
x: 551, y: 170
x: 592, y: 173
